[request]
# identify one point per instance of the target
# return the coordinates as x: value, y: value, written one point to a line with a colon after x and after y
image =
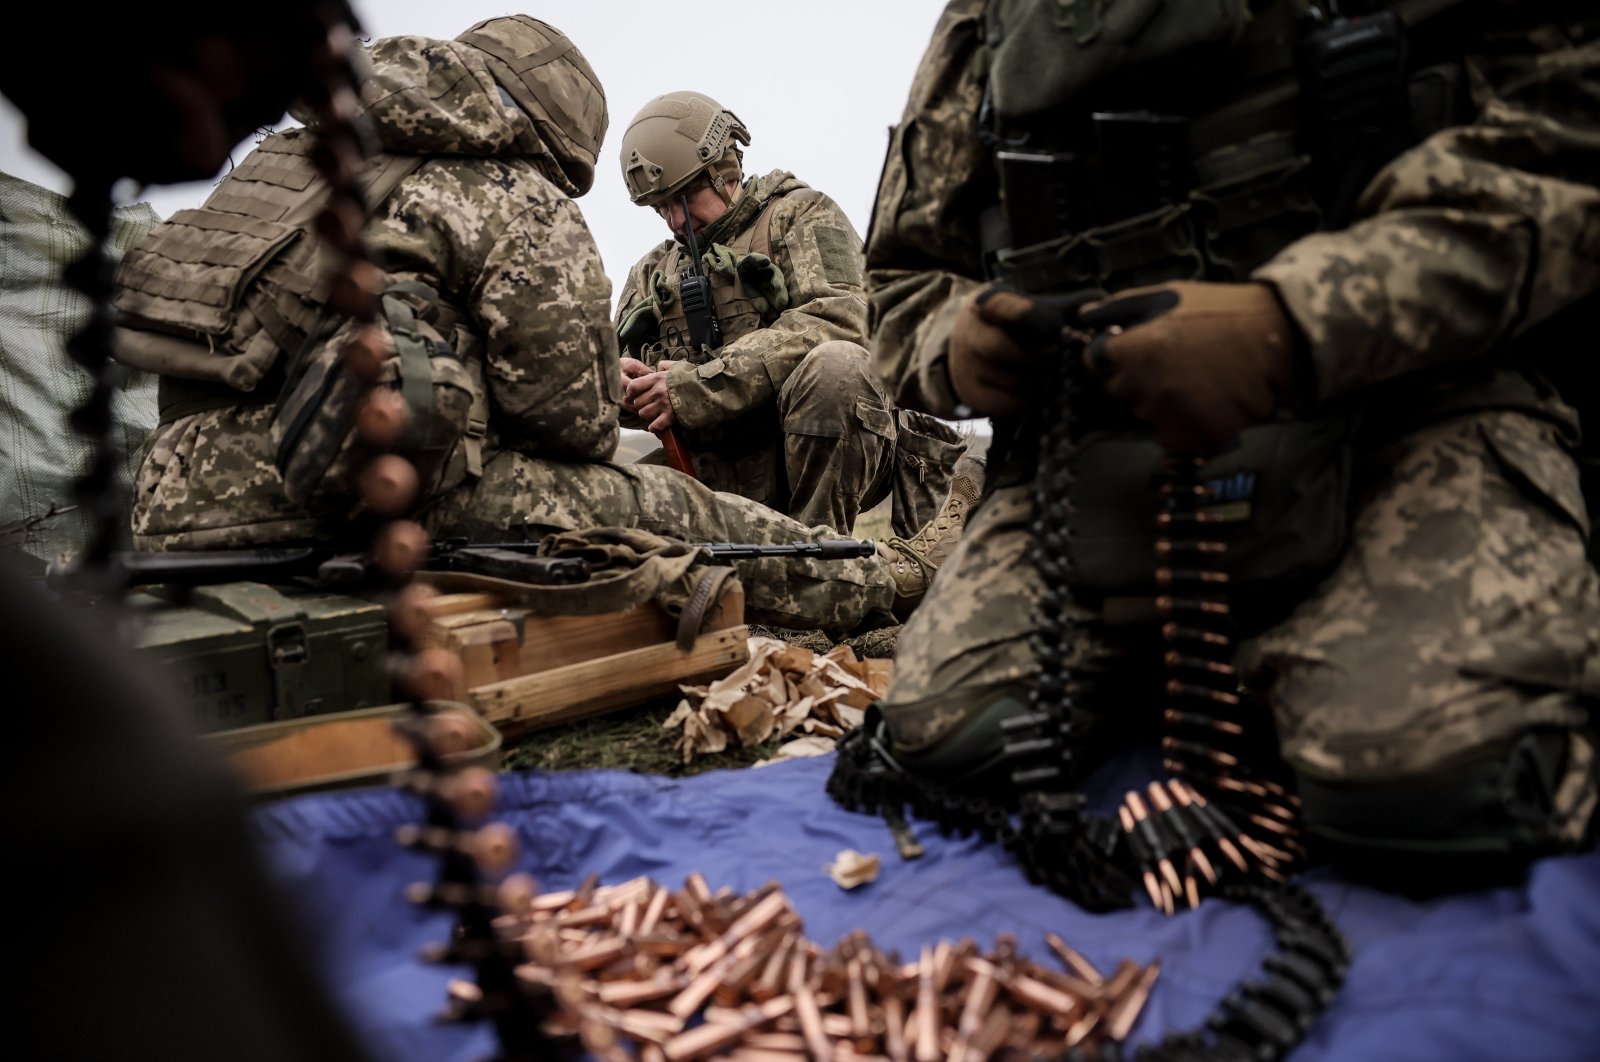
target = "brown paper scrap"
x: 851, y: 869
x: 781, y: 689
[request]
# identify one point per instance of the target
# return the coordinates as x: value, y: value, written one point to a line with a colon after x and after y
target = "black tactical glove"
x: 1000, y: 342
x: 1198, y: 362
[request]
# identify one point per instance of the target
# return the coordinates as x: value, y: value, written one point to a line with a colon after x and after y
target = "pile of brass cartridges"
x: 640, y: 971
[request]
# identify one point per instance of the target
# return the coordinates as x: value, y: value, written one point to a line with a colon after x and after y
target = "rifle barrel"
x: 829, y: 549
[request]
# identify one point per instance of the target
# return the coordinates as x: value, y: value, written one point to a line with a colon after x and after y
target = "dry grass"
x: 629, y: 740
x: 875, y: 522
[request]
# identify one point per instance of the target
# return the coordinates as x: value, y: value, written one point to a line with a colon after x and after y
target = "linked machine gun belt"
x: 1225, y: 822
x: 323, y: 72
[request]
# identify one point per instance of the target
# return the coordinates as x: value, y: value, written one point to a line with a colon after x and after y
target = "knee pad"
x: 957, y: 738
x: 1477, y: 821
x: 953, y: 735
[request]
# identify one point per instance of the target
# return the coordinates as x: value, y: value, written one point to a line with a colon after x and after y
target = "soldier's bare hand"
x: 648, y: 396
x: 632, y: 369
x: 636, y: 389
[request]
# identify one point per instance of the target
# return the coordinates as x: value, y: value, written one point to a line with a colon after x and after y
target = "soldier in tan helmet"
x: 769, y: 390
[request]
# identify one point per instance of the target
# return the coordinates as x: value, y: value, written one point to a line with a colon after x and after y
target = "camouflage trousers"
x: 521, y: 497
x: 1462, y: 622
x: 208, y: 481
x: 832, y: 446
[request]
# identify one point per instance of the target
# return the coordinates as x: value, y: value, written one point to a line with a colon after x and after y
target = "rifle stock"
x: 678, y: 455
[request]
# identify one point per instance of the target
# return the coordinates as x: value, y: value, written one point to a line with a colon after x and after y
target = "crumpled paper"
x: 782, y: 689
x: 851, y: 869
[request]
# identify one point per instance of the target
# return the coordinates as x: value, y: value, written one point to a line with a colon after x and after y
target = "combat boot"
x: 913, y: 561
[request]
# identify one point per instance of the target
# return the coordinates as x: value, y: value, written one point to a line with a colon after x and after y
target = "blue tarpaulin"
x: 1506, y: 973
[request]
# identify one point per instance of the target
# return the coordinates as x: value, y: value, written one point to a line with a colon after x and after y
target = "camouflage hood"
x: 433, y: 97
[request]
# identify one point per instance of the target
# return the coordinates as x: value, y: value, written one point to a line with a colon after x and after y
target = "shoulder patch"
x: 841, y: 262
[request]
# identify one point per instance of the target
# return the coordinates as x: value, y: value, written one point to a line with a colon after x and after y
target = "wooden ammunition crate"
x: 339, y: 750
x: 524, y: 671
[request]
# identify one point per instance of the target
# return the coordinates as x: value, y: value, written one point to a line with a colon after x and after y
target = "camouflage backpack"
x: 442, y: 408
x: 227, y: 302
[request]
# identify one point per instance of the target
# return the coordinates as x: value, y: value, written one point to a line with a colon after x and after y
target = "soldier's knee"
x: 1478, y: 820
x: 837, y: 358
x: 827, y: 383
x: 953, y: 731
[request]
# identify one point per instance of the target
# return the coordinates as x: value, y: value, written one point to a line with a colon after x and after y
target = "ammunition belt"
x: 1243, y: 840
x: 1264, y: 1018
x: 1057, y: 846
x: 1090, y: 861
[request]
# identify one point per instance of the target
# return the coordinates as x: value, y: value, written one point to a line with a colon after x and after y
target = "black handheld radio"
x: 694, y: 289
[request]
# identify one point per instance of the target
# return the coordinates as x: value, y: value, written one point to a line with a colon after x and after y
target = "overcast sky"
x: 818, y: 83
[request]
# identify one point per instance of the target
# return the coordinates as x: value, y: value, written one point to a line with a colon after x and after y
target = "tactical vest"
x: 1136, y: 142
x: 216, y: 293
x: 745, y: 296
x: 225, y: 302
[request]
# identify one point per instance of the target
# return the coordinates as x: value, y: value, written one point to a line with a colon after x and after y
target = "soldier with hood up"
x: 782, y: 405
x: 485, y: 141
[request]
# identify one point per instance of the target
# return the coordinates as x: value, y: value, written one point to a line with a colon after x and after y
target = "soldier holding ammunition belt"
x: 1347, y: 261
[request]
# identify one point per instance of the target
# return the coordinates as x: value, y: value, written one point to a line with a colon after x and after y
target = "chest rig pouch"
x: 1279, y: 500
x: 748, y: 290
x: 1141, y: 141
x: 1044, y: 53
x: 1131, y: 149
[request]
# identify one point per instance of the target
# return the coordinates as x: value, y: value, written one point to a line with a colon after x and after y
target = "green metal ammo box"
x: 240, y: 654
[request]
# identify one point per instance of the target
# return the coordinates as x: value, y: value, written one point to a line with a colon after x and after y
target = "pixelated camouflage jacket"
x: 490, y: 225
x: 769, y: 323
x: 1460, y: 246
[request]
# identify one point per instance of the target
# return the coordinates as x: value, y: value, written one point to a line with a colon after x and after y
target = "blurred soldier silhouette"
x: 147, y: 927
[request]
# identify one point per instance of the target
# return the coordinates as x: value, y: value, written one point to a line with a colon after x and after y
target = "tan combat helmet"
x: 673, y: 140
x: 553, y: 83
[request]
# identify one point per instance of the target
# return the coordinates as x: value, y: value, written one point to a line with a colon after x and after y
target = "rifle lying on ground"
x: 517, y: 561
x: 830, y: 549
